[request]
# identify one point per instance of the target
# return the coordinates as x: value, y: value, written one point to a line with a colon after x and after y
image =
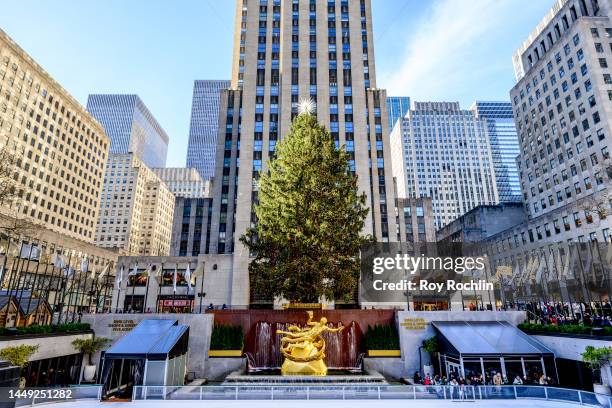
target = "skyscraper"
x: 442, y: 151
x: 504, y: 146
x: 398, y: 107
x: 563, y: 112
x: 136, y: 210
x: 204, y: 126
x: 327, y: 56
x: 131, y: 127
x: 60, y: 149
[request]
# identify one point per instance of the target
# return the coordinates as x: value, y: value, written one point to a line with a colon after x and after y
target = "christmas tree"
x: 307, y: 238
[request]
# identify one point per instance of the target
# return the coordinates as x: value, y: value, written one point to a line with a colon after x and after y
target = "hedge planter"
x: 384, y: 353
x: 226, y: 341
x: 224, y: 353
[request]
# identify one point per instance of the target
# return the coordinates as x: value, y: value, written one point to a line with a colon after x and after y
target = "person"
x: 224, y: 307
x: 210, y: 307
x: 453, y: 386
x: 543, y: 380
x: 416, y: 378
x: 427, y: 380
x: 462, y: 384
x: 517, y: 380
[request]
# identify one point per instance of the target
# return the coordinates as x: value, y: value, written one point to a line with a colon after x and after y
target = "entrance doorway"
x: 453, y: 370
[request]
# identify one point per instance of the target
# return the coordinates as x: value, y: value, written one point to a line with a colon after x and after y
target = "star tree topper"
x: 307, y: 106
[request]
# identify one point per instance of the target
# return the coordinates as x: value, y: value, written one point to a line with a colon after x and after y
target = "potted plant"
x: 226, y: 341
x: 382, y: 340
x: 18, y: 356
x: 598, y: 358
x: 431, y: 346
x: 90, y: 347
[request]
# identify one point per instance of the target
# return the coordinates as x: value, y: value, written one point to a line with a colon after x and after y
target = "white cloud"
x: 446, y: 48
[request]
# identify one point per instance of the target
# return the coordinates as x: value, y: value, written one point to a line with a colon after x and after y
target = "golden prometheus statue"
x: 304, y: 349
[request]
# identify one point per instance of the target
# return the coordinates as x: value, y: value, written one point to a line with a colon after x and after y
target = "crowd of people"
x: 477, y: 380
x: 594, y: 314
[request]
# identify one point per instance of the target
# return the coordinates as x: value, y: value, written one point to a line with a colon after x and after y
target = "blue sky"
x: 456, y: 50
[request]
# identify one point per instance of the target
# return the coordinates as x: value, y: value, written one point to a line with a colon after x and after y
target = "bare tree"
x: 598, y: 204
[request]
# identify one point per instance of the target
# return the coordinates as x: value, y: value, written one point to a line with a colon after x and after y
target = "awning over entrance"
x: 151, y: 339
x: 488, y: 338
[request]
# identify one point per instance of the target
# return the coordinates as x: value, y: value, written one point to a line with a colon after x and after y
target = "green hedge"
x: 47, y: 329
x: 226, y: 337
x: 381, y: 337
x: 565, y: 328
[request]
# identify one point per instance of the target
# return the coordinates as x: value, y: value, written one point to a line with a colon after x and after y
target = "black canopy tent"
x: 152, y: 353
x: 486, y: 348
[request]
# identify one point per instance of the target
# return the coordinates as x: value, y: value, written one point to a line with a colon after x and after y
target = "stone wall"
x: 414, y: 327
x: 389, y: 367
x: 48, y: 346
x: 220, y: 367
x: 114, y: 326
x: 571, y: 348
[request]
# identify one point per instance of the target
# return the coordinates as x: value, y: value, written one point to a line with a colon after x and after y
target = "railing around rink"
x: 373, y: 392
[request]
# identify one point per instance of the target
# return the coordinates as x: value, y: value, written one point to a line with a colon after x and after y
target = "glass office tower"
x: 504, y: 146
x: 131, y: 127
x: 204, y: 126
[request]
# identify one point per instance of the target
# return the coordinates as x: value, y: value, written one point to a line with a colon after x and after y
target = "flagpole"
x: 201, y: 294
x: 119, y: 281
x: 35, y: 281
x: 5, y: 261
x: 159, y: 286
x: 93, y: 283
x: 71, y: 293
x: 65, y: 280
x: 106, y: 285
x: 81, y: 296
x: 25, y: 275
x: 146, y: 295
x: 554, y: 258
x: 15, y: 269
x: 78, y: 289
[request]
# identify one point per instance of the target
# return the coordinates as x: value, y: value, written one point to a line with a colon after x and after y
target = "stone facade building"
x: 60, y: 150
x: 443, y: 152
x: 482, y: 223
x: 137, y: 208
x: 563, y: 112
x: 415, y: 220
x: 327, y: 56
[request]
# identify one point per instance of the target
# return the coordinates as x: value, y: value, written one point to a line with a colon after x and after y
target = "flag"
x: 199, y: 270
x: 68, y: 271
x: 59, y: 262
x: 104, y: 271
x: 188, y: 277
x: 119, y: 278
x: 540, y: 270
x: 134, y: 271
x: 552, y: 271
x: 152, y: 271
x: 84, y: 265
x: 174, y: 278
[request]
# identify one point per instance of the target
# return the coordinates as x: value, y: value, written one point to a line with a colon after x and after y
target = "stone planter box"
x: 384, y: 353
x: 224, y: 353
